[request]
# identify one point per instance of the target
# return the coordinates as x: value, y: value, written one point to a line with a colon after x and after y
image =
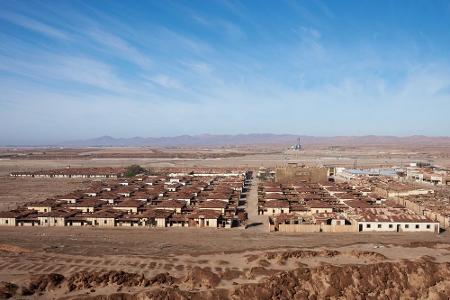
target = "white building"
x: 396, y: 223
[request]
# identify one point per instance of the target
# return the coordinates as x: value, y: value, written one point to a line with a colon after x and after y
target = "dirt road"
x: 164, y: 241
x: 255, y: 221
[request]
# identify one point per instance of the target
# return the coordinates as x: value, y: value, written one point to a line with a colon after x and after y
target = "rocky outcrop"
x: 256, y: 272
x: 231, y: 274
x: 367, y: 254
x: 82, y: 281
x: 7, y: 290
x: 201, y: 278
x: 87, y: 280
x: 422, y: 279
x: 42, y: 283
x: 172, y: 293
x: 282, y: 256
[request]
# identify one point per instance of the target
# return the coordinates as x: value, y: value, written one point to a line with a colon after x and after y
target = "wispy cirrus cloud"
x: 198, y: 67
x: 34, y: 25
x: 167, y: 36
x: 65, y: 69
x: 166, y: 81
x: 121, y: 48
x: 227, y: 68
x: 221, y: 26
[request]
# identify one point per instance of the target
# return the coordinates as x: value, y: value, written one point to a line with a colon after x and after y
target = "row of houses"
x: 435, y: 206
x: 336, y: 207
x: 428, y: 175
x: 114, y: 218
x: 203, y: 172
x: 100, y: 172
x: 301, y: 197
x: 147, y: 201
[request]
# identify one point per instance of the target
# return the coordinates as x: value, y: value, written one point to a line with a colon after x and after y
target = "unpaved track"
x: 252, y: 210
x: 194, y: 241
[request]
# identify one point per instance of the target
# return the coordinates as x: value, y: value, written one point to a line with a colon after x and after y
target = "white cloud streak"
x: 273, y: 86
x: 119, y: 47
x: 166, y: 81
x: 34, y: 25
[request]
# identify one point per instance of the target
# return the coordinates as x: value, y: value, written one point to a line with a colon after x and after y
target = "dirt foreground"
x: 120, y: 263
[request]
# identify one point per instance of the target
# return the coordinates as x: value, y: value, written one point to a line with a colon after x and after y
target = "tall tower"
x: 297, y: 148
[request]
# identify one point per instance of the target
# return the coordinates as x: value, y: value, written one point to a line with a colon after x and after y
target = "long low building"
x: 322, y: 222
x: 105, y: 172
x: 396, y: 223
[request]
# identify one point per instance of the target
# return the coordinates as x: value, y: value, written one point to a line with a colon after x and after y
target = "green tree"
x: 134, y: 170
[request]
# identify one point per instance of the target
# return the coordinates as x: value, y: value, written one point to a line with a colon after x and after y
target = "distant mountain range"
x: 257, y: 139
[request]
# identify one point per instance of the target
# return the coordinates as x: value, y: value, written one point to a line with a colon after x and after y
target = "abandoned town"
x: 224, y: 150
x: 224, y: 227
x: 294, y: 199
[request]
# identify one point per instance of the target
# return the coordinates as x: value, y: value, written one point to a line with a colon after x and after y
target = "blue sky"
x: 81, y: 69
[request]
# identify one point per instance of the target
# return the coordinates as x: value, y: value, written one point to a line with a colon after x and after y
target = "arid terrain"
x: 237, y: 263
x: 86, y: 263
x: 14, y: 191
x: 27, y: 159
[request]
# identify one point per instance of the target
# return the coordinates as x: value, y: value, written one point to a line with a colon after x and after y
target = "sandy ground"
x: 238, y: 256
x: 175, y: 241
x: 349, y: 157
x: 15, y: 191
